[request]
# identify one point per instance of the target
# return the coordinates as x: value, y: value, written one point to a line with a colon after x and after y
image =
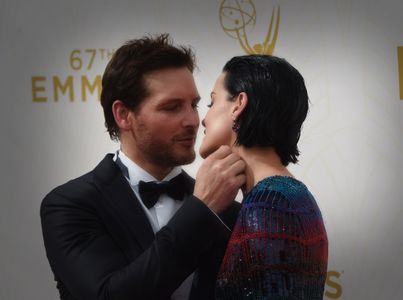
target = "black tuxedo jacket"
x: 100, y: 244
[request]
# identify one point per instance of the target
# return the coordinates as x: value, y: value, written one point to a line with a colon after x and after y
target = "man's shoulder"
x: 83, y: 188
x: 76, y: 185
x: 74, y: 192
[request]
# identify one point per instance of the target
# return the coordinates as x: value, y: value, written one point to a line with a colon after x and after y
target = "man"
x: 107, y: 234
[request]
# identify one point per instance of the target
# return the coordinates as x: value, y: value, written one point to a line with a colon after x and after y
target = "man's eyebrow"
x: 169, y: 100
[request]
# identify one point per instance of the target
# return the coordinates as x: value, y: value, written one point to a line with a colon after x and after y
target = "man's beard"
x: 166, y: 157
x: 163, y: 153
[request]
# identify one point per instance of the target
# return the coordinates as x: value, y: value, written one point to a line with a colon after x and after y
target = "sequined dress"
x: 278, y: 248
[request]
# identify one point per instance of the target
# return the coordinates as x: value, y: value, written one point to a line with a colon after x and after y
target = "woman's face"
x: 218, y: 121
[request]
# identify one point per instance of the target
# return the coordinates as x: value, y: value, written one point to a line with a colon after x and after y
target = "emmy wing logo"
x: 239, y: 17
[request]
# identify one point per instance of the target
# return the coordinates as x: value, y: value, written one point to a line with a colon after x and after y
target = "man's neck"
x: 159, y: 172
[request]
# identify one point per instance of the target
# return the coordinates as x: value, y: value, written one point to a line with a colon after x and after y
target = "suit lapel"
x: 126, y: 208
x: 121, y: 198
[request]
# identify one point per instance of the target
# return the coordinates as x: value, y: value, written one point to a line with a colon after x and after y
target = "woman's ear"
x: 122, y: 115
x: 239, y: 105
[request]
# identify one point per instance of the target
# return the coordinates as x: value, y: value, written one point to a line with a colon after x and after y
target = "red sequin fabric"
x: 278, y: 248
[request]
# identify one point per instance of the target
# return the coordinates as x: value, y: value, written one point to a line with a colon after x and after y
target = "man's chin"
x: 186, y: 159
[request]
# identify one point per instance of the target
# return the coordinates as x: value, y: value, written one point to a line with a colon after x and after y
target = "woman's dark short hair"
x: 123, y: 78
x: 277, y: 103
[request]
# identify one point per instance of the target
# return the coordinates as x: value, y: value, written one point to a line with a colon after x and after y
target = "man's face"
x: 166, y: 122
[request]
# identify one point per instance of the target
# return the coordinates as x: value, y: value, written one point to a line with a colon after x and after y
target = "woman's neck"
x: 260, y: 163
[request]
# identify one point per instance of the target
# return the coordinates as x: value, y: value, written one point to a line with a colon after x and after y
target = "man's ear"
x: 122, y: 115
x: 240, y: 104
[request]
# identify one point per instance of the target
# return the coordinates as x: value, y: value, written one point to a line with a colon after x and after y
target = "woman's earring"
x: 235, y: 126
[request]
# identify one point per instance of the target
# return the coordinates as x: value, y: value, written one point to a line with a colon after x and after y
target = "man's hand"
x: 219, y: 179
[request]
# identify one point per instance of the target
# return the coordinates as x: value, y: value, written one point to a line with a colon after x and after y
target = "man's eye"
x: 171, y: 107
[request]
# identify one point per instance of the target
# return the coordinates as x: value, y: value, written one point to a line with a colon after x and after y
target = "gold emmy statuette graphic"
x: 400, y: 63
x: 236, y: 17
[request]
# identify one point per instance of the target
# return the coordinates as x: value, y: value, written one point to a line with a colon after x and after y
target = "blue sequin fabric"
x: 278, y: 248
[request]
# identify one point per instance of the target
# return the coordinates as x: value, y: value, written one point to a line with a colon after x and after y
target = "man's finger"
x: 221, y: 152
x: 231, y: 159
x: 240, y: 179
x: 237, y: 168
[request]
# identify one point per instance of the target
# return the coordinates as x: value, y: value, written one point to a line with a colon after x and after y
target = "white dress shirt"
x: 160, y: 214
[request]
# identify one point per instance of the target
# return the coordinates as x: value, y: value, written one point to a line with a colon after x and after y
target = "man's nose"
x: 192, y: 118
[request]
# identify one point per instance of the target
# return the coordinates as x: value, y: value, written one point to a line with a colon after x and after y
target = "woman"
x: 278, y: 248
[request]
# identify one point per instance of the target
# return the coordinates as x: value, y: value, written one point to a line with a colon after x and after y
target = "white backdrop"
x: 53, y: 51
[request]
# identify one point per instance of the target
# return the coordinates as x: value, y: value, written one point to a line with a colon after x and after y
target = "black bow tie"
x: 176, y: 188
